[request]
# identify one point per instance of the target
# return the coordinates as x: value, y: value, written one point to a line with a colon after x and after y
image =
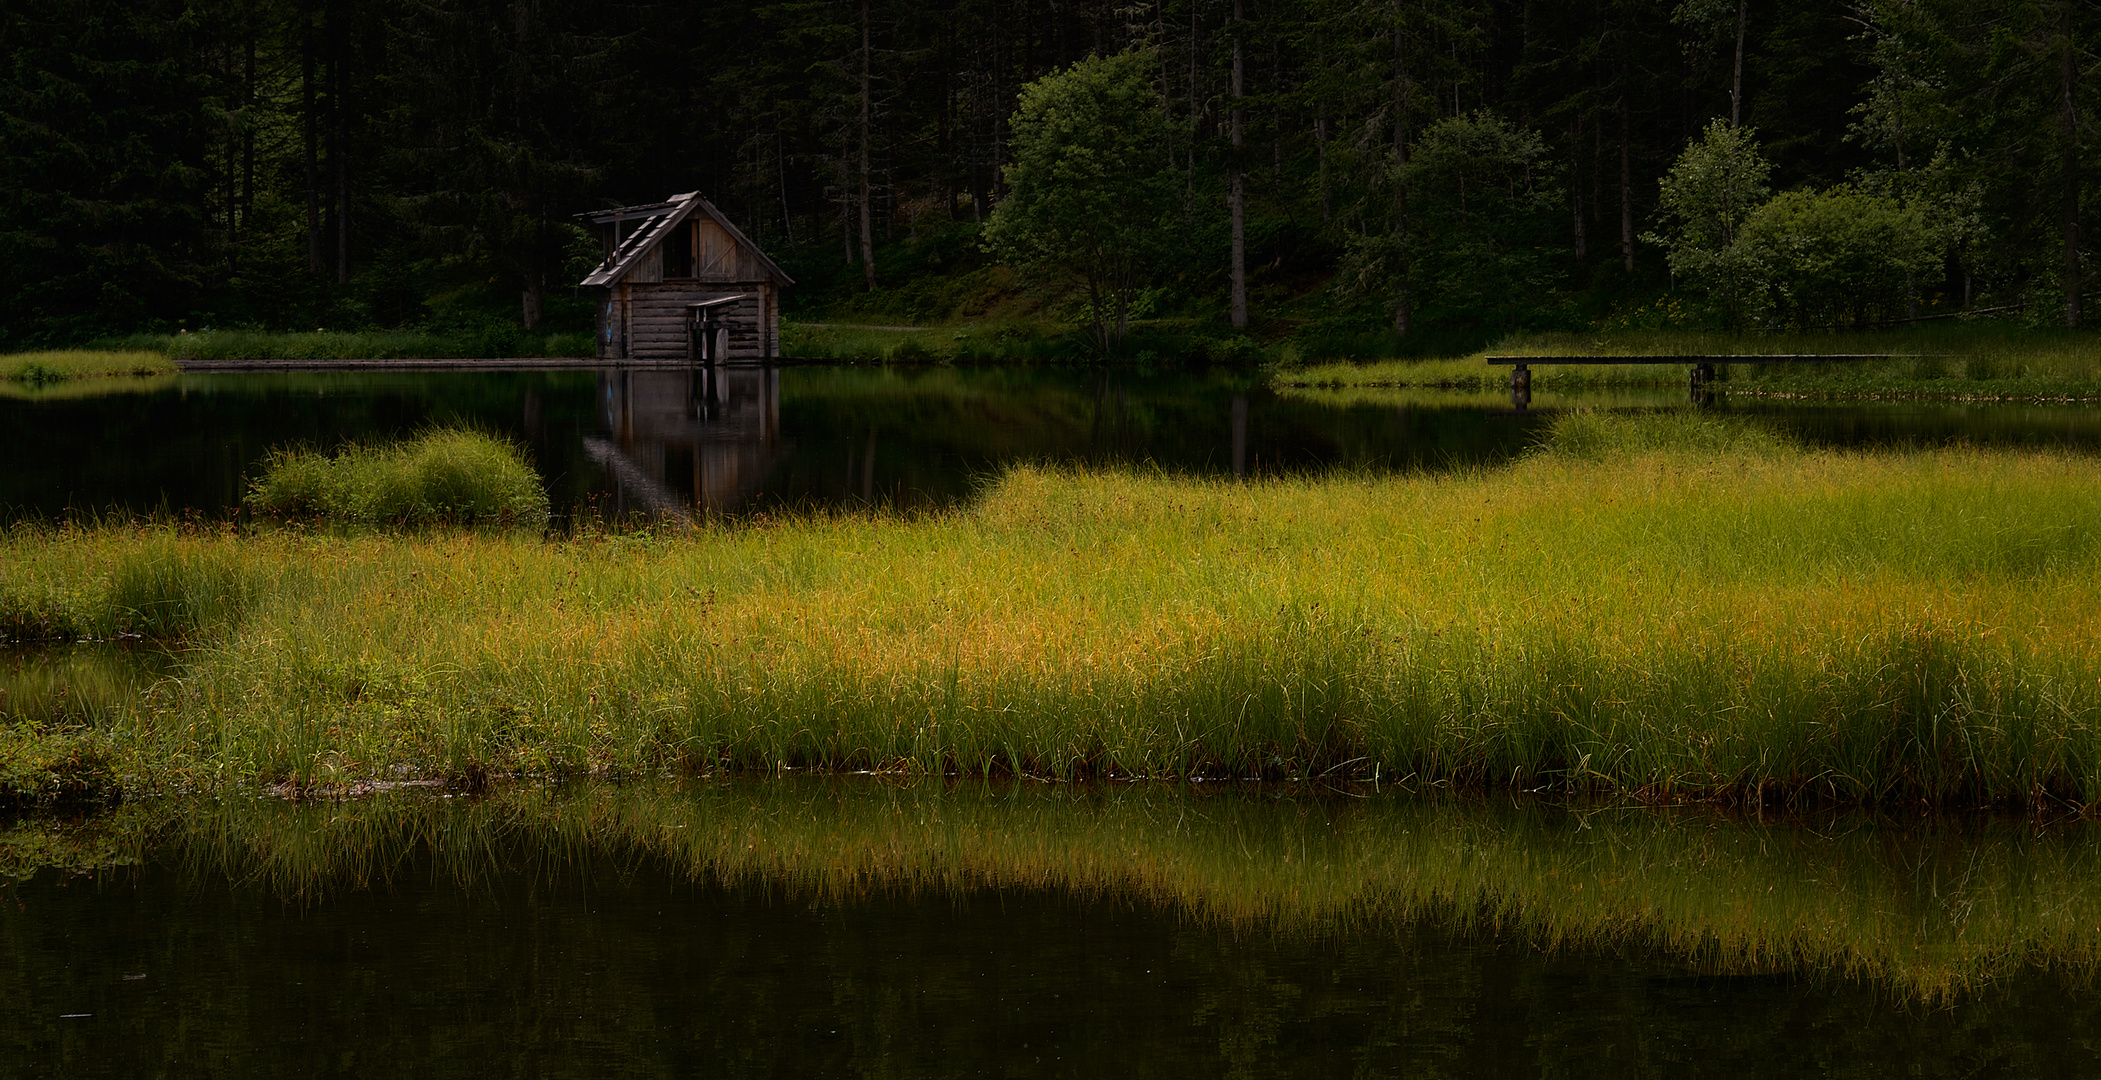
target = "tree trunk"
x: 1320, y: 140
x: 2068, y: 124
x: 338, y: 155
x: 1626, y: 177
x: 865, y: 201
x: 1736, y: 90
x: 1236, y: 199
x: 248, y: 118
x: 1403, y: 302
x: 313, y: 138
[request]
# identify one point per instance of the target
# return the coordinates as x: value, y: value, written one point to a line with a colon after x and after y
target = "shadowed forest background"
x: 415, y: 164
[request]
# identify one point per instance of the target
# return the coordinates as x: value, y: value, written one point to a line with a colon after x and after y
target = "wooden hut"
x: 681, y: 282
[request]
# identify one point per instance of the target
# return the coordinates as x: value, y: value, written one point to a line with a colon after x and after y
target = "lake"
x: 877, y: 926
x: 883, y: 926
x: 618, y: 442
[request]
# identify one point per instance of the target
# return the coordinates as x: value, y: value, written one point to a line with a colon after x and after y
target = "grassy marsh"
x: 1930, y: 909
x: 39, y: 369
x: 1729, y: 617
x: 1980, y: 361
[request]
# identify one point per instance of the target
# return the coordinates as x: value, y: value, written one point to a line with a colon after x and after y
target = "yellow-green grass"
x: 1953, y: 361
x: 64, y: 365
x: 443, y: 476
x: 1670, y: 606
x: 1928, y: 909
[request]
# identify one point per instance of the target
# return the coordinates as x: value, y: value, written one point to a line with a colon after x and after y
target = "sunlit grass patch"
x: 446, y: 476
x: 63, y: 365
x: 1667, y: 607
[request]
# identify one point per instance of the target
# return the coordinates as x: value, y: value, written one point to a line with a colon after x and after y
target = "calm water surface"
x: 868, y: 928
x: 742, y: 438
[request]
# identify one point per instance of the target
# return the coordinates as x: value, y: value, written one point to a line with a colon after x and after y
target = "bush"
x: 443, y: 477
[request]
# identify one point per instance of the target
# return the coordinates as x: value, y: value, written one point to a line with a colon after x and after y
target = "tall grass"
x: 488, y: 343
x: 64, y: 365
x: 1928, y: 910
x: 1664, y: 607
x: 444, y: 476
x: 1956, y: 360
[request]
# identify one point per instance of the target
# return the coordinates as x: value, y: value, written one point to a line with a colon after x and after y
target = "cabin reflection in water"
x: 698, y: 438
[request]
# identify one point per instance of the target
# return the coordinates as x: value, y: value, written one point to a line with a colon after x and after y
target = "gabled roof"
x: 661, y: 218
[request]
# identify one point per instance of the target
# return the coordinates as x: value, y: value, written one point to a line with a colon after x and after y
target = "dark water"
x: 650, y: 441
x: 562, y: 937
x: 637, y: 973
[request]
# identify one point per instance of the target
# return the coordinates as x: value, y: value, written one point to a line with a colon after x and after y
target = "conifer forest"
x: 1402, y: 166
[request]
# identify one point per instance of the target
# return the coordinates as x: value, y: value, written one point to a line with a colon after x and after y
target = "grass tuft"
x: 442, y: 477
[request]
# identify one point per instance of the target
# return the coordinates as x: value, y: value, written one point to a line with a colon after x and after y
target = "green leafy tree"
x: 1091, y: 196
x: 1707, y: 196
x: 1842, y: 255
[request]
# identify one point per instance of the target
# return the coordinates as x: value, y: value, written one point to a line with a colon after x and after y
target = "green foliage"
x: 1477, y: 233
x: 443, y: 477
x: 1708, y: 195
x: 1092, y: 197
x: 1836, y: 257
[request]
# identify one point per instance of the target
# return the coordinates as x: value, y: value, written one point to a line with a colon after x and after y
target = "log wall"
x: 653, y: 318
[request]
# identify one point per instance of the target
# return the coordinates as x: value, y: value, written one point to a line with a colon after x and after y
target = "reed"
x: 1930, y: 910
x: 1664, y: 606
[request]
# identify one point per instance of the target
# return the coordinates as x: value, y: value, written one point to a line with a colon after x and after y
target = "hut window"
x: 678, y: 251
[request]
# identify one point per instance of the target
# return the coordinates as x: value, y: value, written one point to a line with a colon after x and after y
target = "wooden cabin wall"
x: 657, y: 313
x: 722, y: 258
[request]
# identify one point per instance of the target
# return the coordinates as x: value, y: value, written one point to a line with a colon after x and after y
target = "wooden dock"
x: 1701, y: 365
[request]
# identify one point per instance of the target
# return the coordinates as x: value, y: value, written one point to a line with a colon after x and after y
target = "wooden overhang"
x: 657, y: 220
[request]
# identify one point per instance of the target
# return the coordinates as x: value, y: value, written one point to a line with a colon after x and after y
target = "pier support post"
x: 1520, y: 387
